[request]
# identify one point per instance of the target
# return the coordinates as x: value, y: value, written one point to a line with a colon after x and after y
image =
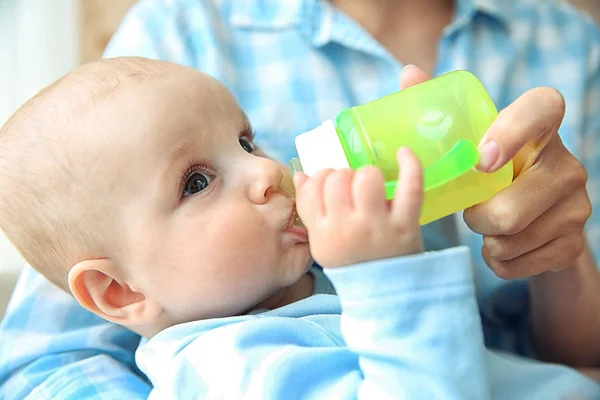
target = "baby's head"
x: 135, y: 185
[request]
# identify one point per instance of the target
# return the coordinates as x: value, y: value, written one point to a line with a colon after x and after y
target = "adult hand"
x: 537, y: 223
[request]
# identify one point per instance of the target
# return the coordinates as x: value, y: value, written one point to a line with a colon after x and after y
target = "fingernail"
x: 489, y: 154
x: 403, y: 152
x: 407, y: 67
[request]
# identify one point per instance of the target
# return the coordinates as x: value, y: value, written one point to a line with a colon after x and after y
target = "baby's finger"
x: 406, y: 207
x: 337, y: 192
x: 299, y: 179
x: 309, y: 194
x: 368, y: 190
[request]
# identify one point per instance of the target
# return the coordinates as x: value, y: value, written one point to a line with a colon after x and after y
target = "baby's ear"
x: 96, y: 286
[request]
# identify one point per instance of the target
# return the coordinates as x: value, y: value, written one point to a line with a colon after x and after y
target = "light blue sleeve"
x: 409, y: 330
x: 415, y: 326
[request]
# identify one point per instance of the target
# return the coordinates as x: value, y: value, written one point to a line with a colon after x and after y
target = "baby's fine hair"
x: 49, y: 207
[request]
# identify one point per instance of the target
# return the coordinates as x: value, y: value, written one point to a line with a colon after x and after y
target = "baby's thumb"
x: 409, y: 192
x: 299, y: 179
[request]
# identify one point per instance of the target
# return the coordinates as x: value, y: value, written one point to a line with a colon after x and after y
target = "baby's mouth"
x: 296, y: 218
x: 296, y: 228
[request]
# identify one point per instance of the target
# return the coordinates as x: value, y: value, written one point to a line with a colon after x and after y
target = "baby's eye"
x: 247, y: 144
x: 196, y: 183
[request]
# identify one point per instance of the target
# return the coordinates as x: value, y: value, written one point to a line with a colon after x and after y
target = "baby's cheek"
x: 222, y: 256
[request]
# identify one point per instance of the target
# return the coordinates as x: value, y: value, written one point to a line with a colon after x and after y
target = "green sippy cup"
x: 441, y: 120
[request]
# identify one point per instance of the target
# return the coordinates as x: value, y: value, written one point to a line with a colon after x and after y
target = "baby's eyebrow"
x: 174, y: 161
x: 245, y: 118
x: 181, y: 151
x: 174, y: 165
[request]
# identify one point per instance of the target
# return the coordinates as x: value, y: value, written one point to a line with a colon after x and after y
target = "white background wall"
x: 38, y: 44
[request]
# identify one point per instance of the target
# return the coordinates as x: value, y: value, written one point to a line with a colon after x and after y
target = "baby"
x: 136, y: 186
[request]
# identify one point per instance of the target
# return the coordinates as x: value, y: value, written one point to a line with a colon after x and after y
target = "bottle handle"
x: 459, y: 160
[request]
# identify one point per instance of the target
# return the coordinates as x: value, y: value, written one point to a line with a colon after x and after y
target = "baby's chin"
x: 301, y: 289
x: 309, y: 264
x: 306, y: 264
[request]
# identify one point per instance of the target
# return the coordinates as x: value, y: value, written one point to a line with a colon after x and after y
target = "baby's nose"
x: 266, y: 180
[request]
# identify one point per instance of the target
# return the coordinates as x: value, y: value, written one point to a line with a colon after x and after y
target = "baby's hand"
x: 349, y: 219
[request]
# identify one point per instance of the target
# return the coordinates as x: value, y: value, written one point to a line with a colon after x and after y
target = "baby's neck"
x: 300, y: 290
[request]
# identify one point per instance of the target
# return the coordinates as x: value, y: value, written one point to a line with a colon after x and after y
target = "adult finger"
x: 558, y: 175
x: 553, y: 255
x: 412, y: 75
x: 566, y: 218
x: 530, y: 120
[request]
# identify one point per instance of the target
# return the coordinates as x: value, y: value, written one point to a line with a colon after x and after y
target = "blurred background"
x: 40, y: 41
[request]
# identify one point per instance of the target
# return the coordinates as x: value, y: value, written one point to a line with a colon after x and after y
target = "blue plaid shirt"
x: 292, y: 64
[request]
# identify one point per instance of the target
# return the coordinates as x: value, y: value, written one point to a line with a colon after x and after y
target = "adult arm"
x: 566, y: 304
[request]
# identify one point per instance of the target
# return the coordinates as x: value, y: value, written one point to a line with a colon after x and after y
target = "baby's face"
x: 208, y: 219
